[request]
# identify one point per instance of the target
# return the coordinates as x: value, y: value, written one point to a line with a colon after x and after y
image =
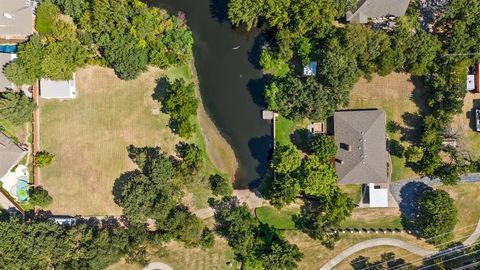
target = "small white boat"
x: 236, y: 48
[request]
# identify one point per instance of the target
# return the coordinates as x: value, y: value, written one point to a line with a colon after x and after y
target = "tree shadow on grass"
x: 301, y: 138
x: 413, y: 130
x: 409, y: 206
x: 160, y: 91
x: 120, y: 183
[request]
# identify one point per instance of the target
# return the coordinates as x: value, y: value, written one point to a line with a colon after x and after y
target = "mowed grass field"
x: 401, y: 98
x: 467, y: 201
x: 89, y: 136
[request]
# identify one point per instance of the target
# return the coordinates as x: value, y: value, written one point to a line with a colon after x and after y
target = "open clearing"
x: 89, y: 136
x: 379, y: 218
x: 467, y: 201
x: 402, y: 98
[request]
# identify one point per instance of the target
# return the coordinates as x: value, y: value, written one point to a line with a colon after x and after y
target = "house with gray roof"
x: 370, y: 9
x: 10, y: 154
x: 5, y: 58
x: 16, y: 19
x: 58, y: 89
x: 362, y: 152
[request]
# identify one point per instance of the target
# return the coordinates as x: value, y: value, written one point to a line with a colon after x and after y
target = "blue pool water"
x: 8, y: 48
x: 22, y: 189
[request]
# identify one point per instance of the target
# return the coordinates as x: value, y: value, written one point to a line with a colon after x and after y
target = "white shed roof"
x: 378, y: 196
x: 57, y: 89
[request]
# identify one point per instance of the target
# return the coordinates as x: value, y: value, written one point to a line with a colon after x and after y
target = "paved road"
x: 396, y: 187
x: 374, y: 243
x: 158, y: 266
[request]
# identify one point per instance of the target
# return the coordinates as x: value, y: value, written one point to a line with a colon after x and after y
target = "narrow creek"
x: 231, y: 85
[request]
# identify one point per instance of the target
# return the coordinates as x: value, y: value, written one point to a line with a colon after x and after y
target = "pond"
x: 230, y: 83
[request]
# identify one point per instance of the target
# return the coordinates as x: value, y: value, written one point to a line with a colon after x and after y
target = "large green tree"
x: 181, y: 103
x: 16, y: 107
x: 437, y: 216
x: 286, y: 159
x: 323, y: 147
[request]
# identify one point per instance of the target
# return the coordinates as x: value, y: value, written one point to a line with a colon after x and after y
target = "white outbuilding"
x: 58, y: 89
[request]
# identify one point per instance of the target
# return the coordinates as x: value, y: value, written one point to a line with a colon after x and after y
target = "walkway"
x: 158, y: 266
x: 397, y: 188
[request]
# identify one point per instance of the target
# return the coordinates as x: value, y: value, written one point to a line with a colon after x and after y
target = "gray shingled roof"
x: 377, y: 8
x: 10, y: 154
x: 362, y: 152
x: 5, y: 58
x: 21, y: 22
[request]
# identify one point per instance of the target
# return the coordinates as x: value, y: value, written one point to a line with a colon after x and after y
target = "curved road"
x: 374, y: 243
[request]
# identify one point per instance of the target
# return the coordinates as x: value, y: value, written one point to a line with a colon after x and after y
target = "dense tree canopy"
x: 286, y: 159
x: 126, y: 35
x: 155, y: 192
x: 258, y: 246
x: 42, y: 245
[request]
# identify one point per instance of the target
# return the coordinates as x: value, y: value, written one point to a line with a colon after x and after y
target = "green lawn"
x: 280, y: 219
x: 353, y: 191
x: 283, y: 128
x: 394, y: 222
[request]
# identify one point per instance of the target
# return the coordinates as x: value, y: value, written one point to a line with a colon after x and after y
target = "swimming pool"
x: 8, y: 48
x: 22, y: 189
